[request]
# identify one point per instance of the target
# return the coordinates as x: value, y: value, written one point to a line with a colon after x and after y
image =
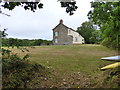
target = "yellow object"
x: 111, y: 66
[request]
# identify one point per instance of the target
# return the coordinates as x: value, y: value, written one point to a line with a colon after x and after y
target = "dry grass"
x: 71, y: 65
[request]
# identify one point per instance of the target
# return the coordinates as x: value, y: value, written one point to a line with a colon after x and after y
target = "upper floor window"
x: 56, y: 33
x: 69, y: 31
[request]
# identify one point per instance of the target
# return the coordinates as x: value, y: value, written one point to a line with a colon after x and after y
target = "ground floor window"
x: 56, y: 40
x: 76, y: 39
x: 83, y: 41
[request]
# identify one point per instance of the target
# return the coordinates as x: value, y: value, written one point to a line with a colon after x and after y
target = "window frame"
x: 76, y: 39
x: 56, y: 33
x: 56, y: 40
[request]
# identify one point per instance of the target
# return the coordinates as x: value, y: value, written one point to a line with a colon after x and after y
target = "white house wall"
x: 75, y: 35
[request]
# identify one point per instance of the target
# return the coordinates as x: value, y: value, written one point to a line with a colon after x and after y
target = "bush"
x: 18, y: 72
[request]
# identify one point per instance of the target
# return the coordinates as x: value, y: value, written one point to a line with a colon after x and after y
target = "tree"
x: 96, y: 37
x: 3, y: 34
x: 70, y: 6
x: 38, y: 42
x: 106, y: 15
x: 26, y: 5
x: 86, y: 30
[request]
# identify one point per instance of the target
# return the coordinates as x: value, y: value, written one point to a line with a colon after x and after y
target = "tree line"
x: 24, y: 42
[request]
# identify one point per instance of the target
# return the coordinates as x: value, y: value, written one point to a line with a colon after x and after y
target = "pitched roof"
x: 61, y: 23
x: 64, y: 26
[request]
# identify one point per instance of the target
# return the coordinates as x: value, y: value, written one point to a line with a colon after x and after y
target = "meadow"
x: 76, y: 66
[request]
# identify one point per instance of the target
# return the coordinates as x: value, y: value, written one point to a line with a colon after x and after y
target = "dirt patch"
x: 73, y: 80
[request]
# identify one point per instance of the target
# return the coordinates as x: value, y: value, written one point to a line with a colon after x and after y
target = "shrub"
x: 18, y: 72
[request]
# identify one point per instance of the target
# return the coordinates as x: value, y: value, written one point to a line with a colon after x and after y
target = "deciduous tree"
x: 107, y: 16
x: 86, y: 30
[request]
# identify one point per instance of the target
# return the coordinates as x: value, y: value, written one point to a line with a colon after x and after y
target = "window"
x: 76, y: 39
x: 69, y: 31
x: 56, y: 40
x: 56, y: 33
x: 83, y: 41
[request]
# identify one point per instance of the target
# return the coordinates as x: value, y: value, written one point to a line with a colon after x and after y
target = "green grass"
x: 84, y: 58
x: 67, y: 60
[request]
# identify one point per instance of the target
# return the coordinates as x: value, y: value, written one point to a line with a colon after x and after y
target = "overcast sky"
x: 39, y: 24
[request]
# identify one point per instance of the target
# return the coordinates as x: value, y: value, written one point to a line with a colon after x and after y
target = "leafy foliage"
x: 18, y: 71
x: 88, y: 31
x: 106, y: 15
x: 3, y: 34
x: 96, y: 37
x: 24, y: 42
x: 70, y: 7
x: 27, y: 5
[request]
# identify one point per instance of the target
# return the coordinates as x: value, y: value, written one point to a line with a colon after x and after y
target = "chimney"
x: 61, y: 21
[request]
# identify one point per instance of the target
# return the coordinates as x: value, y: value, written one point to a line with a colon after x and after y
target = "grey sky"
x: 35, y: 25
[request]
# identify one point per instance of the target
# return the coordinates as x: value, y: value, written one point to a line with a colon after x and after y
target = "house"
x: 63, y: 35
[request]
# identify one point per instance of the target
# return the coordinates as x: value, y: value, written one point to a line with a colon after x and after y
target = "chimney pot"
x: 61, y: 21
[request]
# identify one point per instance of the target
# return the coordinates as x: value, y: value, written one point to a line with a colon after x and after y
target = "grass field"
x: 75, y: 66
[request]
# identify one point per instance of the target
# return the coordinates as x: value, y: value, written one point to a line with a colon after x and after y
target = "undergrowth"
x: 19, y: 72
